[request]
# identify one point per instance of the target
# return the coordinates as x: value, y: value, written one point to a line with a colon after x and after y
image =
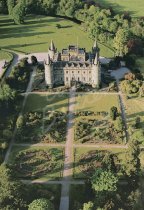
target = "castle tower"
x: 96, y: 72
x: 48, y: 72
x: 52, y: 50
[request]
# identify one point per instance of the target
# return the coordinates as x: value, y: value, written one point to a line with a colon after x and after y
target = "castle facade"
x: 72, y: 65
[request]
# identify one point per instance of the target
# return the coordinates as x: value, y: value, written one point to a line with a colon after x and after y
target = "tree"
x: 19, y: 12
x: 69, y: 7
x: 137, y: 122
x: 104, y: 181
x: 88, y: 206
x: 43, y: 204
x: 34, y: 60
x: 132, y: 164
x: 3, y: 7
x: 109, y: 162
x: 10, y: 190
x: 130, y: 76
x: 10, y: 4
x: 113, y: 112
x: 20, y: 122
x: 120, y: 42
x: 119, y: 124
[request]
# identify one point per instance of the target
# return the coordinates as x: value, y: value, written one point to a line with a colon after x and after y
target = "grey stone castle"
x: 72, y: 65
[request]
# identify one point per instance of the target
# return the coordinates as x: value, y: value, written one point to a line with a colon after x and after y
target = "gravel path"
x: 122, y: 106
x: 52, y: 182
x: 68, y: 163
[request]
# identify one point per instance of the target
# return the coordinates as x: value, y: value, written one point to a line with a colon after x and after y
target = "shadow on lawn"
x: 140, y: 114
x: 116, y: 7
x: 46, y: 102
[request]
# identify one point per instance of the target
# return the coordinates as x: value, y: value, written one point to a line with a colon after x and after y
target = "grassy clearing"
x: 96, y: 102
x: 79, y: 152
x: 5, y: 56
x: 36, y: 34
x: 135, y: 108
x: 33, y: 162
x: 135, y: 7
x: 47, y: 102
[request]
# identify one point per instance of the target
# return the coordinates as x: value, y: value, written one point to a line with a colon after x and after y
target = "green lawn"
x: 28, y: 164
x: 96, y: 102
x: 135, y: 7
x: 45, y: 102
x: 5, y: 56
x: 135, y: 108
x: 36, y: 34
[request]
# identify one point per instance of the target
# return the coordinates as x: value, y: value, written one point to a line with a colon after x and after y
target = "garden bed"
x: 88, y: 160
x: 36, y: 127
x: 37, y: 163
x: 98, y: 128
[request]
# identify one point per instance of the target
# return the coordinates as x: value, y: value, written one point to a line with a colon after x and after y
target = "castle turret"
x: 49, y: 72
x: 96, y: 72
x: 52, y: 50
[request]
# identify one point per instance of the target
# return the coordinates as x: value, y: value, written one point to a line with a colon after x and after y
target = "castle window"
x: 89, y: 72
x: 78, y: 72
x: 78, y: 79
x: 67, y: 72
x: 84, y: 72
x: 72, y: 72
x: 84, y: 78
x: 66, y: 78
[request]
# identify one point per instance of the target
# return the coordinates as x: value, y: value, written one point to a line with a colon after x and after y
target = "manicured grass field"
x: 33, y: 161
x: 135, y: 108
x: 45, y: 102
x: 5, y: 56
x: 96, y: 102
x: 135, y: 7
x: 38, y: 31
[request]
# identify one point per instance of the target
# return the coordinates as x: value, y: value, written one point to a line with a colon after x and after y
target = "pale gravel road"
x: 68, y: 163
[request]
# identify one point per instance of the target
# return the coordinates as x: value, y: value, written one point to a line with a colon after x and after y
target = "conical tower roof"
x: 52, y: 46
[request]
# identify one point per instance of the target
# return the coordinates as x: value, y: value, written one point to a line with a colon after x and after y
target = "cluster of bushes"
x: 91, y: 113
x: 20, y: 75
x: 41, y: 127
x: 99, y: 131
x: 130, y: 86
x: 93, y: 160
